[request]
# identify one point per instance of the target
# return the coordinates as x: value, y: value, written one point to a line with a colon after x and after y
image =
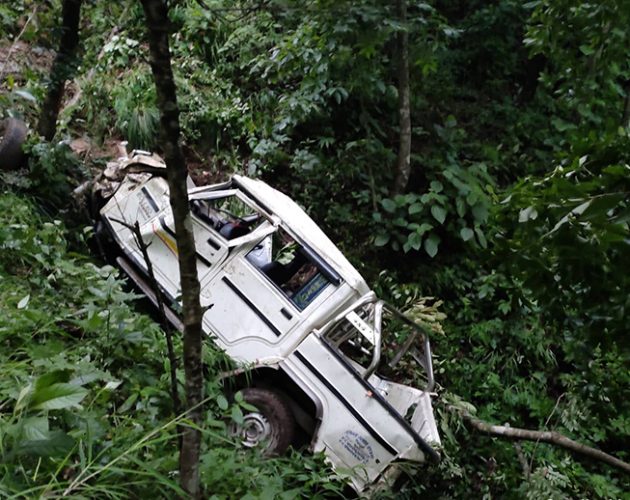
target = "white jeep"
x: 284, y: 303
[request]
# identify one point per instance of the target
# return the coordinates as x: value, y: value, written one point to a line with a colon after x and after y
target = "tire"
x: 272, y: 428
x: 12, y: 136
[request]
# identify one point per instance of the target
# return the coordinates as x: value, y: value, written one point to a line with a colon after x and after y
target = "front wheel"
x: 271, y: 427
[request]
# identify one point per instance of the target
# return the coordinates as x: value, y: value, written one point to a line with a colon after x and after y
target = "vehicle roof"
x: 300, y: 224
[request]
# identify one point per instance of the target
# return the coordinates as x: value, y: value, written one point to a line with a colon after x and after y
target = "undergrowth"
x: 85, y: 409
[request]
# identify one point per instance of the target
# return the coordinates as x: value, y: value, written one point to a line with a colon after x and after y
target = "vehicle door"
x: 159, y: 235
x: 262, y: 293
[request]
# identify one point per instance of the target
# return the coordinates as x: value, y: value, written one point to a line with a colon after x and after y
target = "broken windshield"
x: 376, y: 337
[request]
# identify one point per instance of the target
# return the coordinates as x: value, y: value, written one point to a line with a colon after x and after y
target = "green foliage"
x: 137, y: 117
x: 588, y: 70
x: 53, y: 172
x: 85, y: 408
x: 572, y: 230
x: 516, y: 216
x: 456, y: 206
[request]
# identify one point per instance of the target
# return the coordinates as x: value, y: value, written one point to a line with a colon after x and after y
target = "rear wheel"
x: 271, y: 427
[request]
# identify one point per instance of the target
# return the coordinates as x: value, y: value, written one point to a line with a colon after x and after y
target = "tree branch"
x: 549, y: 437
x: 159, y: 298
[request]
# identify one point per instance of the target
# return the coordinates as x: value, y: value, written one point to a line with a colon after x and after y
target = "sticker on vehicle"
x: 357, y: 446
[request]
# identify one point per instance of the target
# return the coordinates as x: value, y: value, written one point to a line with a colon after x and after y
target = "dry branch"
x: 549, y: 437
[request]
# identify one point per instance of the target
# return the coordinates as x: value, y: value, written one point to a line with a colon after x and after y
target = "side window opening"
x: 290, y: 267
x: 229, y: 216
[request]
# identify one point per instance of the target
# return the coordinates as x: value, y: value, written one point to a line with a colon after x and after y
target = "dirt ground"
x: 19, y: 59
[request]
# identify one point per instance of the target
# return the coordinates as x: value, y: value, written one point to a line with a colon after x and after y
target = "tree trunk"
x: 156, y: 12
x: 63, y: 68
x: 625, y: 117
x: 403, y: 165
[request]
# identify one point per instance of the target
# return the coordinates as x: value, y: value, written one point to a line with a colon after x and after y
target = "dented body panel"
x: 277, y: 292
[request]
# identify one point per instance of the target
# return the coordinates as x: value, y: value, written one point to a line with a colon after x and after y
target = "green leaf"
x: 526, y: 214
x: 23, y: 302
x: 480, y: 212
x: 579, y: 210
x: 431, y: 245
x: 237, y: 415
x: 35, y: 428
x: 222, y: 402
x: 51, y: 378
x: 400, y: 200
x: 481, y: 238
x: 561, y: 125
x: 415, y: 240
x: 381, y: 239
x: 57, y: 396
x: 466, y: 233
x: 388, y: 205
x: 415, y: 208
x: 587, y: 50
x: 57, y: 444
x: 129, y: 402
x: 23, y: 397
x: 25, y: 95
x: 439, y: 213
x: 436, y: 186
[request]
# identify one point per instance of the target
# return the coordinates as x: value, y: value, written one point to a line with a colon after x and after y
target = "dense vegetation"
x: 515, y: 216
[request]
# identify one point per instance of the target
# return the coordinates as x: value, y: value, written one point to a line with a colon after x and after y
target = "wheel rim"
x: 254, y: 430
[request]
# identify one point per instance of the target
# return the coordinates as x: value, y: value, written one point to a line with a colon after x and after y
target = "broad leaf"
x: 389, y: 205
x: 481, y: 238
x: 222, y: 402
x: 415, y: 240
x: 51, y: 378
x: 35, y: 428
x: 381, y: 240
x: 57, y: 444
x: 23, y: 302
x: 466, y: 233
x: 439, y: 213
x: 431, y: 245
x: 57, y: 396
x: 415, y: 208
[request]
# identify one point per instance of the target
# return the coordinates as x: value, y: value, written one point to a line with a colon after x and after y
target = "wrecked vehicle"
x: 316, y: 345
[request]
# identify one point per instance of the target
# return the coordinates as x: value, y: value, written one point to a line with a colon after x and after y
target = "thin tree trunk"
x: 625, y: 117
x: 550, y: 437
x: 63, y: 68
x: 168, y: 331
x: 156, y: 12
x: 403, y: 165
